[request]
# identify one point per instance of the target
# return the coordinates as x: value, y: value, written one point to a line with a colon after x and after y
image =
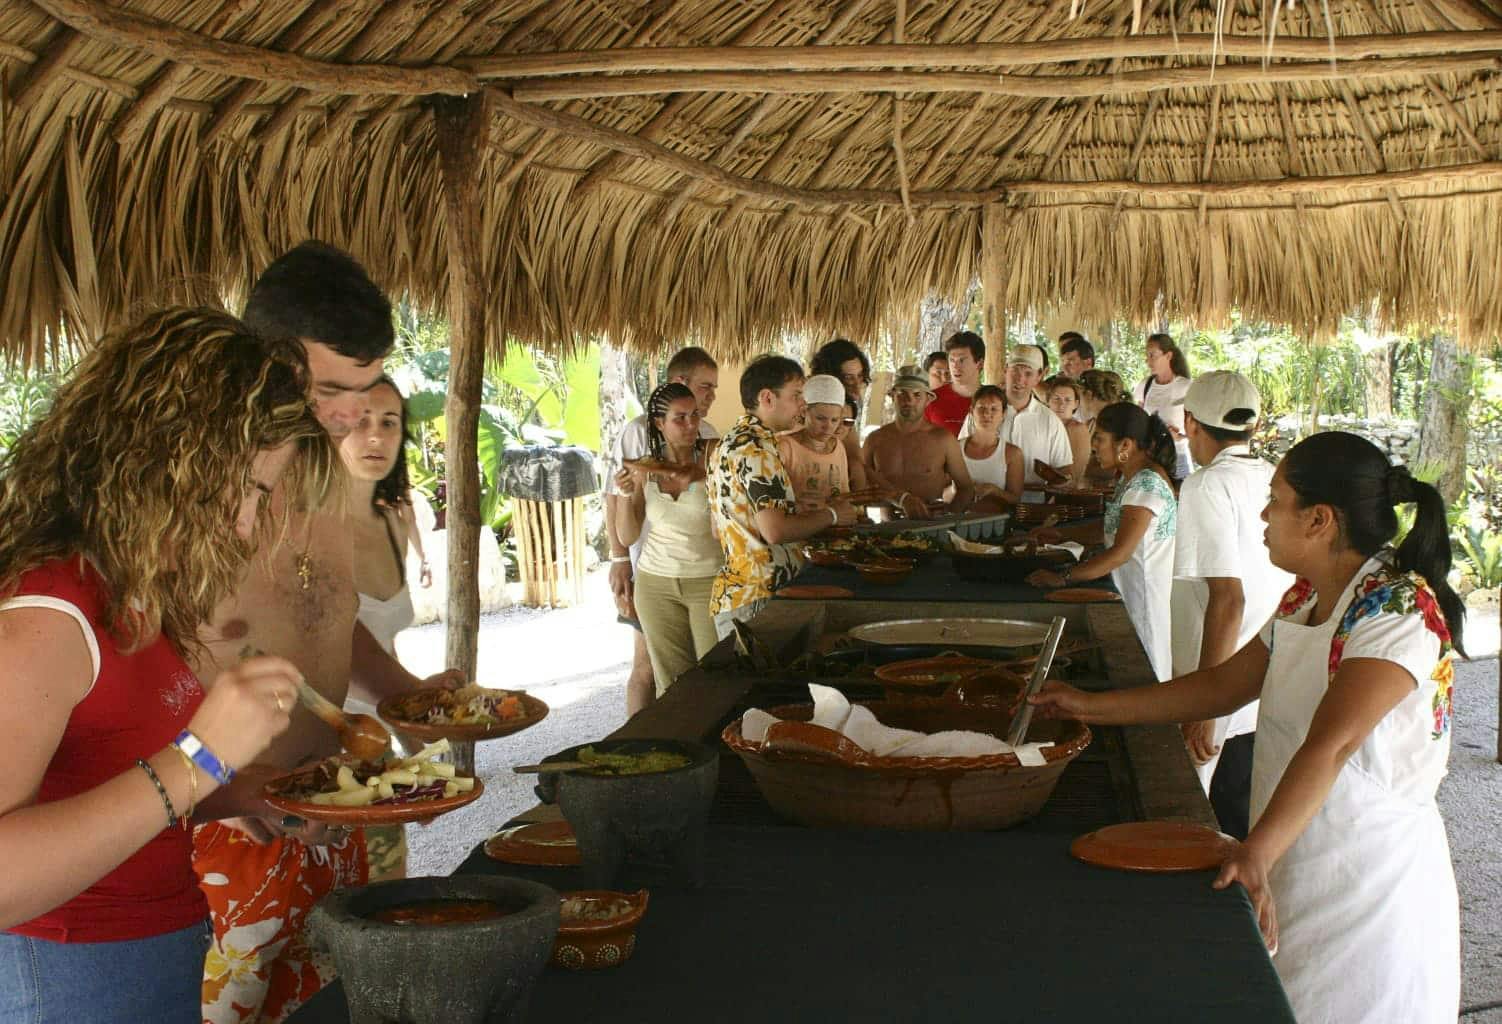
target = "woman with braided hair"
x: 1140, y: 523
x: 1346, y: 862
x: 681, y: 554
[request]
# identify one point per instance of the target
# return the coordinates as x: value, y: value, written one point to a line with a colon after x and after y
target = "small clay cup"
x: 651, y: 816
x: 596, y: 945
x: 473, y: 972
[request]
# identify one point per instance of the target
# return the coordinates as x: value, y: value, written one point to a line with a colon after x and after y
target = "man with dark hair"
x: 697, y: 370
x: 966, y: 354
x: 751, y: 497
x: 1225, y: 588
x: 1076, y: 355
x: 262, y: 874
x: 917, y: 458
x: 936, y: 365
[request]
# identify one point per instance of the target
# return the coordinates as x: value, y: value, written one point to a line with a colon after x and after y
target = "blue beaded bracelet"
x: 203, y: 757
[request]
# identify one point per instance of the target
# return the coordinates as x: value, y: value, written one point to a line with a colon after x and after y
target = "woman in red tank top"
x: 130, y: 510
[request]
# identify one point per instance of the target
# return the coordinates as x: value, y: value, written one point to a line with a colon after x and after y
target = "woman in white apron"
x: 1140, y: 521
x: 1346, y: 863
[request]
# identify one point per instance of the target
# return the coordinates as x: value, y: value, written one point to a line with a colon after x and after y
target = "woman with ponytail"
x: 1346, y: 863
x: 1162, y: 392
x: 1140, y: 522
x: 681, y: 555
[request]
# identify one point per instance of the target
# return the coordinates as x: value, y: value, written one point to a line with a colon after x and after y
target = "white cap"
x: 822, y: 389
x: 1223, y: 399
x: 1026, y: 355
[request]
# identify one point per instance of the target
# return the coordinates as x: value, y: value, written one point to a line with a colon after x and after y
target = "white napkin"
x: 970, y: 547
x: 834, y: 711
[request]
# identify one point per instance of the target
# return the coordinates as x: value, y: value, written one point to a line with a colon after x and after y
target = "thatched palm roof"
x: 661, y: 170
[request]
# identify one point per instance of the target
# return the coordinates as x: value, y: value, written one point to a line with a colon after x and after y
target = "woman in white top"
x: 995, y: 466
x: 1162, y: 392
x: 1140, y: 521
x: 681, y: 554
x: 377, y: 491
x: 1346, y: 863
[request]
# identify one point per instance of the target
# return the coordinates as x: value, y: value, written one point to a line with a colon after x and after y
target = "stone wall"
x: 1399, y: 438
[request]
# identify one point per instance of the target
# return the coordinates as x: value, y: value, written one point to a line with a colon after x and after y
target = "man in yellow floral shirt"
x: 751, y: 497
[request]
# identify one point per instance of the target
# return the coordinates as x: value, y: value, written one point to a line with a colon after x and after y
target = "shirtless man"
x: 918, y: 458
x: 262, y: 875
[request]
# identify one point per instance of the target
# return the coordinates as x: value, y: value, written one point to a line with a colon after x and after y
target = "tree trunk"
x: 1443, y: 426
x: 613, y: 373
x: 994, y: 277
x: 460, y: 127
x: 1378, y: 367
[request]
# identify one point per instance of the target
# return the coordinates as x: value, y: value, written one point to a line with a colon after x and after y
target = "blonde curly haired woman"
x: 129, y: 510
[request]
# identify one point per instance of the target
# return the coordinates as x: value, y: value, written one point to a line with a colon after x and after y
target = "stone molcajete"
x: 652, y: 816
x: 470, y: 972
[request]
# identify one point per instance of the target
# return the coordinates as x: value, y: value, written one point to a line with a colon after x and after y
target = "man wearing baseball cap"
x: 1225, y: 588
x: 917, y: 458
x: 1029, y: 424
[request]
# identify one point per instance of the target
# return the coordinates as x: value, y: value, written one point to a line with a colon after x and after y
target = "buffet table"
x: 798, y: 924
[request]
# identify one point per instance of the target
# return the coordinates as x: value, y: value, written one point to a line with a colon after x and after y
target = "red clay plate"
x: 399, y: 712
x: 1158, y: 846
x: 815, y: 592
x: 371, y: 814
x: 544, y: 843
x: 1081, y: 595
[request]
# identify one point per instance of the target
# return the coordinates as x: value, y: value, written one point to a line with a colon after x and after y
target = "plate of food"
x: 465, y: 715
x: 344, y: 790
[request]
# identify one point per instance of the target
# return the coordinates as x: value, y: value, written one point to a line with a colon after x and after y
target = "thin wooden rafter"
x: 547, y: 90
x: 52, y: 62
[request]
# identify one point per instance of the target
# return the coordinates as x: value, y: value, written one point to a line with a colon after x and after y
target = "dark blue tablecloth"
x: 810, y: 925
x: 934, y: 580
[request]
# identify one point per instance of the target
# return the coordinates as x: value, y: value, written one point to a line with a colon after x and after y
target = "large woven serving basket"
x: 912, y: 793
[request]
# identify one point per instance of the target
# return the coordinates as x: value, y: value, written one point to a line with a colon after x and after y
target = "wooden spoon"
x: 551, y: 766
x: 361, y: 735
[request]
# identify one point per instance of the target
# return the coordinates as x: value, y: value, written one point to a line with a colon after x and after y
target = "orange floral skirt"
x: 260, y: 968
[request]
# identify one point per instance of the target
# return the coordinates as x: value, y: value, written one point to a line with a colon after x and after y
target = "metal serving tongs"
x: 1017, y: 731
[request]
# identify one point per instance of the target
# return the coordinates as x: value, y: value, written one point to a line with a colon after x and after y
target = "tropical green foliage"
x: 24, y: 396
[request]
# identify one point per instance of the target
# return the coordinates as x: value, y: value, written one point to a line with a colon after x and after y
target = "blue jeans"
x: 151, y: 981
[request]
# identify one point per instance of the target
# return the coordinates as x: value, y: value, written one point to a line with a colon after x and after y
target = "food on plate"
x: 592, y: 909
x: 473, y: 705
x: 642, y: 763
x: 422, y: 912
x: 906, y: 546
x: 341, y: 782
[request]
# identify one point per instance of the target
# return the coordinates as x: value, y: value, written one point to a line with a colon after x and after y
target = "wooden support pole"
x: 995, y: 266
x: 61, y: 48
x: 460, y: 126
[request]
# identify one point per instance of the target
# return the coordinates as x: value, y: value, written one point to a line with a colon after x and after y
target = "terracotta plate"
x: 545, y: 843
x: 400, y: 710
x: 1081, y: 595
x: 1154, y: 846
x: 372, y: 814
x: 815, y: 592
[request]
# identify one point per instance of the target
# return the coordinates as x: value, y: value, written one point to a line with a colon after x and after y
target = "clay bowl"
x: 914, y: 793
x: 465, y: 973
x: 928, y: 677
x: 883, y: 572
x: 588, y: 945
x: 824, y: 557
x: 656, y: 815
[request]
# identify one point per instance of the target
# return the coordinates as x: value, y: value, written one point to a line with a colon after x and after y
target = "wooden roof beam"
x: 544, y: 90
x: 290, y: 38
x: 709, y: 174
x: 59, y: 50
x: 1367, y: 133
x: 675, y: 106
x: 1135, y: 159
x: 132, y: 31
x: 878, y: 56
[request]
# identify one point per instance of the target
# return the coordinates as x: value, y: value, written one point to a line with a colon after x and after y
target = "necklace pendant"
x: 305, y: 570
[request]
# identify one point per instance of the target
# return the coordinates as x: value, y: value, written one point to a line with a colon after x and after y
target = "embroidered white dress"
x: 1146, y: 578
x: 1368, y: 916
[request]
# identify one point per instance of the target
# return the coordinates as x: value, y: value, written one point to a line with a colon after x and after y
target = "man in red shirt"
x: 951, y: 403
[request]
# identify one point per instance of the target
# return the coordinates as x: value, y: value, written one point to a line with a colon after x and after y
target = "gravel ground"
x: 577, y: 659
